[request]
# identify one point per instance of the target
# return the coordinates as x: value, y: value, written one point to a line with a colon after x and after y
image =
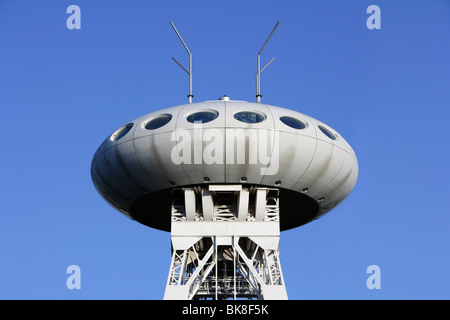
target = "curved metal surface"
x: 136, y: 172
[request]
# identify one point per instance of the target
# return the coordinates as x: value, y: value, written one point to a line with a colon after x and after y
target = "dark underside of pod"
x: 154, y: 209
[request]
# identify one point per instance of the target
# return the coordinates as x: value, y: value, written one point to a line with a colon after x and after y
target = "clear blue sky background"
x: 62, y: 92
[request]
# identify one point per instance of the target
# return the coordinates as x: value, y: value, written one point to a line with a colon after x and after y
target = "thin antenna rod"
x: 258, y: 75
x: 190, y: 95
x: 180, y: 65
x: 268, y: 64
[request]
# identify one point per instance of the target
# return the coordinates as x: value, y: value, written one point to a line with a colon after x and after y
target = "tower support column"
x: 219, y: 254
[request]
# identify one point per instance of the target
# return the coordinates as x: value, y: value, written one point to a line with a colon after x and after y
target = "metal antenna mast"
x: 258, y: 75
x: 190, y: 95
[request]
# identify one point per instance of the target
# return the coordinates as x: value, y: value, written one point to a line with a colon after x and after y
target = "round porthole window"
x: 157, y: 122
x: 250, y: 117
x: 293, y: 122
x: 202, y: 116
x: 327, y: 132
x: 121, y: 132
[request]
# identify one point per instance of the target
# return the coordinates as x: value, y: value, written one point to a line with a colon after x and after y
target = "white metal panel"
x: 154, y: 155
x: 207, y: 205
x: 183, y: 243
x: 324, y: 166
x: 108, y: 192
x: 348, y: 179
x: 278, y: 112
x: 206, y: 162
x: 295, y: 155
x: 260, y: 204
x: 130, y: 169
x: 340, y: 178
x: 225, y: 187
x: 268, y: 243
x: 247, y: 144
x: 295, y: 149
x: 188, y: 109
x: 140, y: 131
x: 242, y: 204
x: 189, y: 203
x: 113, y: 174
x: 209, y: 165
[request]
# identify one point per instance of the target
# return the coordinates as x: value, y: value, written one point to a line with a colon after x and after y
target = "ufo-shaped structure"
x: 224, y: 177
x: 232, y: 163
x: 138, y: 166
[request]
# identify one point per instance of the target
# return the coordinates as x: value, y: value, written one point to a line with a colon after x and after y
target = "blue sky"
x: 62, y: 92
